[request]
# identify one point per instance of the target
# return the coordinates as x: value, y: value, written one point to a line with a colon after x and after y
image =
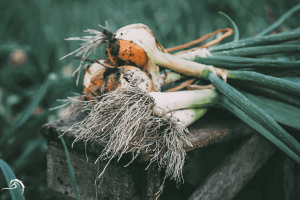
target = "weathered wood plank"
x: 216, y: 127
x: 49, y: 131
x: 235, y: 171
x: 291, y: 179
x: 59, y: 196
x: 151, y: 180
x: 118, y: 182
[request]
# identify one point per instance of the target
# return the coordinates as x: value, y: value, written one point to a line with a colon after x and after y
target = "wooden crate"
x: 134, y: 182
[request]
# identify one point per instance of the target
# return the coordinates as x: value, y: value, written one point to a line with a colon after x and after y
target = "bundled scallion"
x: 128, y: 111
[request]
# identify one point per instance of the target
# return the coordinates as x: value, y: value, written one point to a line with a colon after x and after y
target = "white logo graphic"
x: 14, y: 184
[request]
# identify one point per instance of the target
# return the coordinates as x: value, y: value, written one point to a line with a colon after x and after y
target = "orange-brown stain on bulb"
x: 123, y: 52
x: 94, y: 86
x: 92, y: 80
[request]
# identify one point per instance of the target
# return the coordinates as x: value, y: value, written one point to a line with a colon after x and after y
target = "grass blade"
x: 31, y: 151
x: 255, y: 113
x: 233, y: 25
x: 279, y: 21
x: 16, y: 194
x: 71, y: 171
x: 27, y: 112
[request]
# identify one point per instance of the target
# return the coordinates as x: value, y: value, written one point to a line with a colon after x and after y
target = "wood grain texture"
x: 151, y: 180
x: 118, y: 182
x: 291, y: 179
x: 235, y: 171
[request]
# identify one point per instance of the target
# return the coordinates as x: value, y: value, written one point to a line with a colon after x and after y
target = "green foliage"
x: 70, y: 167
x: 279, y: 21
x: 38, y: 29
x: 260, y: 50
x: 259, y: 40
x: 262, y: 129
x: 266, y: 81
x: 29, y: 109
x: 16, y: 194
x: 281, y: 112
x: 233, y: 26
x: 254, y: 116
x: 233, y: 62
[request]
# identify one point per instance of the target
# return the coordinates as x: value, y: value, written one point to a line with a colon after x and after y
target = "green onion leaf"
x: 281, y: 112
x: 256, y: 114
x: 233, y: 25
x: 231, y: 62
x: 227, y: 104
x: 260, y: 50
x: 266, y: 81
x: 259, y: 40
x: 71, y: 171
x: 268, y: 93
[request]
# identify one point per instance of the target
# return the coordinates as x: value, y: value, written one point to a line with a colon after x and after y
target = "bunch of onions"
x: 132, y: 115
x: 125, y: 113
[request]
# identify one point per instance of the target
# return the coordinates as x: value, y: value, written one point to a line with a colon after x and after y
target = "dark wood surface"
x: 291, y: 179
x: 130, y: 182
x: 151, y: 182
x: 224, y: 182
x: 118, y: 182
x: 236, y: 170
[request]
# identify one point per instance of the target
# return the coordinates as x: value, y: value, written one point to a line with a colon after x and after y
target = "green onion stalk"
x: 245, y: 109
x: 138, y: 121
x: 131, y: 120
x: 237, y: 103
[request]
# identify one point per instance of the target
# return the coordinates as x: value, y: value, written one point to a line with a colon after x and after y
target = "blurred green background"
x: 32, y: 36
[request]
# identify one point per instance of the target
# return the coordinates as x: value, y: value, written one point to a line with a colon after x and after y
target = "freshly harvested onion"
x: 124, y: 76
x: 123, y: 52
x: 93, y: 79
x: 137, y: 37
x: 100, y: 80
